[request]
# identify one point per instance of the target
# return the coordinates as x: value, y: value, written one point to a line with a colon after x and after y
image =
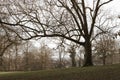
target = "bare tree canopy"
x: 74, y: 20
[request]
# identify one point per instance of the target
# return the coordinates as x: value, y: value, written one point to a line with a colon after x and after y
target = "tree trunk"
x: 73, y: 60
x: 16, y: 56
x: 1, y: 61
x: 88, y: 54
x: 104, y: 61
x: 104, y: 58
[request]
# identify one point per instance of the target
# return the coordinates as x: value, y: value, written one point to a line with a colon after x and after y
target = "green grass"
x: 86, y: 73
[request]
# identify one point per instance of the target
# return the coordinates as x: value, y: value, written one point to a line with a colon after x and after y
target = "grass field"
x: 84, y: 73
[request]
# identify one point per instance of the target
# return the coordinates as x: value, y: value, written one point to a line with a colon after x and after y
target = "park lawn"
x: 111, y: 72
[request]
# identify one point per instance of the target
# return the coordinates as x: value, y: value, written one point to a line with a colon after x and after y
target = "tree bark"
x: 73, y: 60
x: 1, y: 61
x: 88, y: 54
x: 104, y: 61
x: 104, y: 58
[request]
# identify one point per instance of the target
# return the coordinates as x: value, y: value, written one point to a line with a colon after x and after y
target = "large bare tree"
x: 74, y: 20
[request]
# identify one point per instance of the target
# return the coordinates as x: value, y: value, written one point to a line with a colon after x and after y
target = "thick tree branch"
x: 105, y: 3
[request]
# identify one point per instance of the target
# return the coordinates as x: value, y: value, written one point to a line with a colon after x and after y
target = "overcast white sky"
x: 114, y: 6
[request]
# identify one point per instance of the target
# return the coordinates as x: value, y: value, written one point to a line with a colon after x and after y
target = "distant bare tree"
x: 105, y: 47
x: 38, y: 58
x: 45, y: 57
x: 72, y: 52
